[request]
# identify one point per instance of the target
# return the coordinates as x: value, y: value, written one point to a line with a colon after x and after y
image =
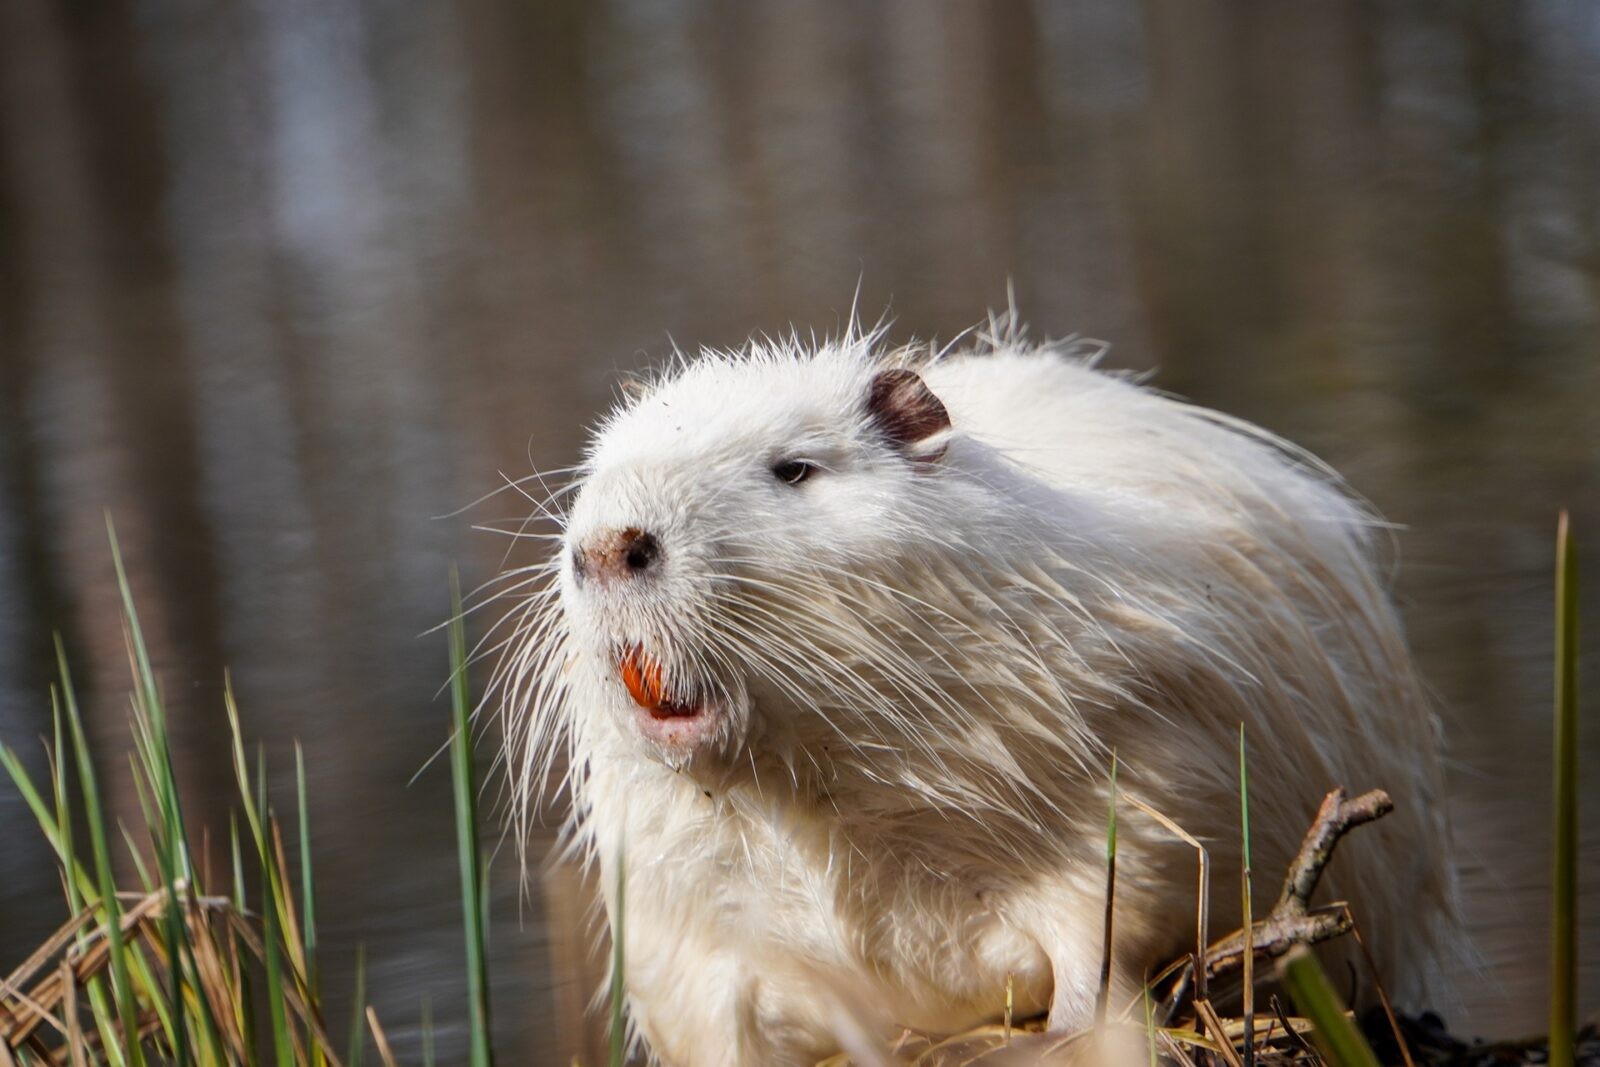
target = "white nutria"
x: 836, y: 649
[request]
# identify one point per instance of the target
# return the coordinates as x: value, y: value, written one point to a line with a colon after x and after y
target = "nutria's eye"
x: 793, y: 471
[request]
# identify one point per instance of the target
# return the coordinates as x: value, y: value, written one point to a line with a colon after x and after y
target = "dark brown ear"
x: 908, y: 413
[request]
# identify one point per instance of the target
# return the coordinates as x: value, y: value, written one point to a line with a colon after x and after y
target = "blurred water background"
x: 281, y: 282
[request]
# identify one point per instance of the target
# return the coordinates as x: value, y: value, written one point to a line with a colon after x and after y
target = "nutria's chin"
x: 883, y: 618
x: 678, y: 731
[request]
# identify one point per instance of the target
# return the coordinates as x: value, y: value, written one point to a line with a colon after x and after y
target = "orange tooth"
x: 641, y: 673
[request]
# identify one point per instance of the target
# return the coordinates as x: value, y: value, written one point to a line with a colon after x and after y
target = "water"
x: 282, y: 282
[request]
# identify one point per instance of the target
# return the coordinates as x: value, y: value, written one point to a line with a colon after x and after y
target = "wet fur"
x: 922, y: 669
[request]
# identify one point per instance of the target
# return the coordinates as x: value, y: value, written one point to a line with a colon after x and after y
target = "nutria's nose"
x: 611, y: 555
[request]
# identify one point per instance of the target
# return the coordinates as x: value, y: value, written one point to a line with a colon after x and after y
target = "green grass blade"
x: 86, y: 885
x: 147, y: 808
x: 146, y: 676
x: 155, y: 756
x: 278, y: 901
x: 151, y: 719
x: 138, y: 861
x: 1336, y: 1035
x: 1563, y: 916
x: 1246, y: 910
x: 472, y: 882
x: 104, y: 1014
x: 79, y: 891
x: 1150, y: 1024
x: 1244, y: 800
x: 58, y: 779
x: 237, y: 858
x: 282, y: 1043
x: 241, y: 767
x: 74, y: 877
x: 244, y: 1003
x: 254, y: 802
x: 308, y: 901
x: 308, y: 897
x: 121, y: 982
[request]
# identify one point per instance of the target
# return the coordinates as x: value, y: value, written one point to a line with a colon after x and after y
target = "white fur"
x: 917, y: 673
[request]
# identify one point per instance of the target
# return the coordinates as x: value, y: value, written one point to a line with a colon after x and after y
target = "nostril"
x: 612, y: 555
x: 640, y: 550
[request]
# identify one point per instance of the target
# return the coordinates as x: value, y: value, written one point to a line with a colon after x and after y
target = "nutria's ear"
x: 914, y: 420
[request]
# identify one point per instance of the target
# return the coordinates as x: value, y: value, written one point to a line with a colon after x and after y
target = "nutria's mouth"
x: 675, y: 720
x: 646, y: 682
x: 672, y: 710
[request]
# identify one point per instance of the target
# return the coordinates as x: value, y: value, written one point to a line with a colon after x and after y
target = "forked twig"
x: 1292, y: 920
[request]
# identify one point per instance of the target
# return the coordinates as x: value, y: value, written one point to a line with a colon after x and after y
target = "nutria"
x: 839, y: 641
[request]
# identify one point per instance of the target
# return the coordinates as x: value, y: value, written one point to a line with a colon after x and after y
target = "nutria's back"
x: 1261, y: 578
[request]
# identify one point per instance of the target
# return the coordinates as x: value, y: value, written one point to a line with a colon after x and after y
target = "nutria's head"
x: 714, y: 511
